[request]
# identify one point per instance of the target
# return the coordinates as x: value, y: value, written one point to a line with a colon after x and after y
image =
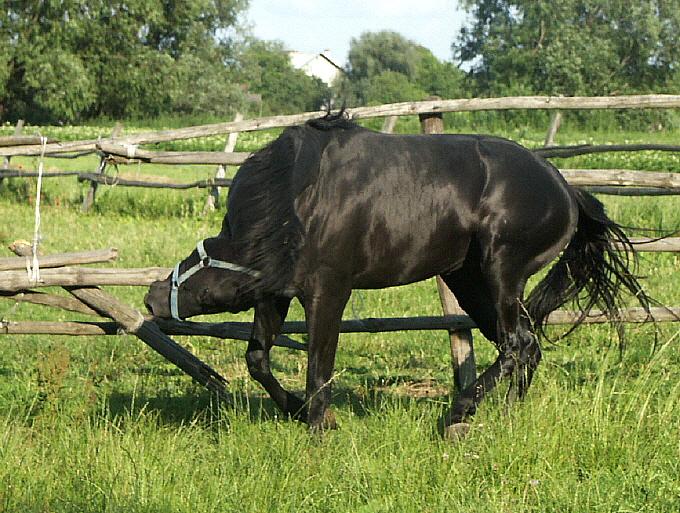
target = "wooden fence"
x: 124, y: 149
x: 86, y: 297
x: 83, y: 283
x: 661, y: 101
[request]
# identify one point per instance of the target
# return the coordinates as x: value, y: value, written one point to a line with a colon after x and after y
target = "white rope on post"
x: 131, y: 150
x: 35, y: 268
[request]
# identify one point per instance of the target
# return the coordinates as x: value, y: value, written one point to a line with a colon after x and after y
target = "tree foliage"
x: 64, y: 60
x: 386, y: 67
x: 571, y: 47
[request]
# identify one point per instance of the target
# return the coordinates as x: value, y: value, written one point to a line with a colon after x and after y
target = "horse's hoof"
x: 329, y: 420
x: 456, y: 432
x: 328, y: 423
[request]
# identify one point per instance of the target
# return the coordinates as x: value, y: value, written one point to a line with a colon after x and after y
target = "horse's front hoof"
x: 456, y: 432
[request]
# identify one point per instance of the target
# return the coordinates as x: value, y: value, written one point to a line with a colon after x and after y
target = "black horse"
x: 329, y: 207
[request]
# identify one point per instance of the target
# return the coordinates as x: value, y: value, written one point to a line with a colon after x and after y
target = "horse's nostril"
x: 147, y: 303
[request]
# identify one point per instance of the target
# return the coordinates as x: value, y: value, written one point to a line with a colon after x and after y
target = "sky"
x: 316, y: 25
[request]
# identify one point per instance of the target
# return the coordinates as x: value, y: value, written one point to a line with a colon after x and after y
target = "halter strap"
x: 204, y: 261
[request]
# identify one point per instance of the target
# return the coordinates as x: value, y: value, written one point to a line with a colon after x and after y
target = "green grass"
x: 104, y: 424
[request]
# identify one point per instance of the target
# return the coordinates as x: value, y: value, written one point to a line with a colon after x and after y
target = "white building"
x: 318, y: 65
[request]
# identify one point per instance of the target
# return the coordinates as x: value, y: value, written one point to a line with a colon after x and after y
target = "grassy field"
x: 104, y: 424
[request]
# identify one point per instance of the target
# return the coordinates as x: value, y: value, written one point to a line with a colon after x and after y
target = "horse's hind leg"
x: 325, y: 301
x: 492, y: 298
x: 528, y: 359
x: 269, y: 317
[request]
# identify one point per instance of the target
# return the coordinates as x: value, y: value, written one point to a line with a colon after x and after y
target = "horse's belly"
x: 379, y: 266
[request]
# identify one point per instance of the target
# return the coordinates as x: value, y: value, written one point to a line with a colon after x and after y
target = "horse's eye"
x: 204, y: 297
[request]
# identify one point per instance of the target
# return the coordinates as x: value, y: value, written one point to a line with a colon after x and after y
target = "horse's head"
x: 208, y: 281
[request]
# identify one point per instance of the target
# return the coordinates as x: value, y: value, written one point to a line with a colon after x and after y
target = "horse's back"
x: 392, y: 209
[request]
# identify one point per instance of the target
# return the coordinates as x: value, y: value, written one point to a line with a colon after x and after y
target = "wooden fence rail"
x: 585, y: 149
x: 610, y: 181
x: 394, y: 109
x: 622, y: 177
x: 63, y: 259
x: 133, y: 154
x: 144, y: 181
x: 23, y: 140
x: 242, y: 330
x: 13, y: 280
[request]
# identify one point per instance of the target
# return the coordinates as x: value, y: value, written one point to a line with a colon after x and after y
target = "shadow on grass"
x: 200, y: 405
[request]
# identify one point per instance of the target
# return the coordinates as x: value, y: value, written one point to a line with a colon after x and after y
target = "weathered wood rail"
x: 605, y: 181
x: 585, y: 149
x: 242, y: 330
x: 133, y: 154
x: 15, y: 279
x: 659, y: 101
x: 144, y: 181
x: 63, y: 259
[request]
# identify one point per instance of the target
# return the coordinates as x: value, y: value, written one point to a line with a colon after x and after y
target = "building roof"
x: 319, y: 65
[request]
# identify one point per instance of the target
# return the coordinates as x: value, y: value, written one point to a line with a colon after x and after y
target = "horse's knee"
x: 258, y: 364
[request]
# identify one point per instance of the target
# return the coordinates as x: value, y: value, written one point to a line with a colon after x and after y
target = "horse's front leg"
x: 323, y: 311
x: 269, y: 317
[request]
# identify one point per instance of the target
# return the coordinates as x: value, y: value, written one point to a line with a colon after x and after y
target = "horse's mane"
x: 263, y: 226
x: 332, y: 121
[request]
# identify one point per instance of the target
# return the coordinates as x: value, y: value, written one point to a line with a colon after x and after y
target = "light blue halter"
x: 203, y: 262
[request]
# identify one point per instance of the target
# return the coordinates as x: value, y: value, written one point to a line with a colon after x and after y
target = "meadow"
x: 104, y: 424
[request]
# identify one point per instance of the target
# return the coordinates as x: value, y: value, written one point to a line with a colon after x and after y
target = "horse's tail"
x: 599, y: 260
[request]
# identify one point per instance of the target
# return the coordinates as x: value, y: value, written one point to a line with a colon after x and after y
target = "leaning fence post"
x: 133, y: 322
x: 88, y: 200
x: 462, y: 350
x: 213, y: 200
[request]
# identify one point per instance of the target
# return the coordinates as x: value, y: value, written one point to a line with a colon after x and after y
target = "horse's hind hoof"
x: 329, y: 420
x: 456, y: 432
x: 327, y: 424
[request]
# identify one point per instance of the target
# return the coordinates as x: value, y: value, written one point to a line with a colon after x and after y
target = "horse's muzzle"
x: 157, y: 300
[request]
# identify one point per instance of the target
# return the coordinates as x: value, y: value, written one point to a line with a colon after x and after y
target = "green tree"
x: 391, y: 87
x: 571, y: 47
x: 376, y: 52
x: 61, y: 60
x: 387, y: 67
x: 443, y: 79
x: 37, y: 40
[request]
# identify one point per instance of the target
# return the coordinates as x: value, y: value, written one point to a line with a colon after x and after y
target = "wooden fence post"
x: 462, y: 351
x: 389, y: 124
x: 555, y: 121
x: 213, y: 200
x: 17, y: 131
x: 88, y: 200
